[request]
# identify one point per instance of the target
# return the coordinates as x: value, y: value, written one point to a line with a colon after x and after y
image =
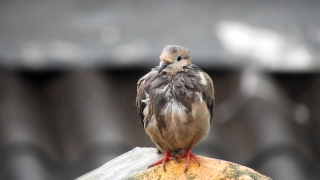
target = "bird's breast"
x: 176, y: 115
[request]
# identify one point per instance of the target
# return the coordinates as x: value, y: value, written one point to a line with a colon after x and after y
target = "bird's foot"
x: 188, y: 154
x: 167, y: 157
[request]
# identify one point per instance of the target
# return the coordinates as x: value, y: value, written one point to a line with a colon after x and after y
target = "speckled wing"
x: 208, y: 94
x: 143, y: 86
x: 141, y: 95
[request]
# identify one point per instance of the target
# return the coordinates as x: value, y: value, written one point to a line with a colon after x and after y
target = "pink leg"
x: 188, y: 154
x: 167, y: 157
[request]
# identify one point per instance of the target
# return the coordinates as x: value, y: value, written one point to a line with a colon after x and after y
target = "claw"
x: 188, y: 154
x: 167, y: 157
x: 164, y: 167
x: 185, y: 170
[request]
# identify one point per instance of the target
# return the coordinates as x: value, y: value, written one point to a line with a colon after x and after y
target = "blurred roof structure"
x: 272, y: 35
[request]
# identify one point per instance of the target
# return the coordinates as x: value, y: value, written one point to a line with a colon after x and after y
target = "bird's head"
x: 173, y: 58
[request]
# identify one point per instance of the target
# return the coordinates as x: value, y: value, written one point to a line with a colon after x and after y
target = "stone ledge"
x: 133, y: 165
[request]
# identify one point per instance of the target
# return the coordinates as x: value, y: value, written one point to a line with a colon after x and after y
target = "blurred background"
x: 68, y: 74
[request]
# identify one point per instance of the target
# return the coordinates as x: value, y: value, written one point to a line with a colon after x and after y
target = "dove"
x: 175, y: 102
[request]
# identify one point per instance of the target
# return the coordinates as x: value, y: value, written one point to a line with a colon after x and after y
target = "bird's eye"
x: 179, y: 58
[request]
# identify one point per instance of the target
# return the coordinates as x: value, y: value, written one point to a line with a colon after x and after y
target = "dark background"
x: 69, y: 70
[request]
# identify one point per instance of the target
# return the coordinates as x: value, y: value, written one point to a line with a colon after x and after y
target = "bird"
x: 175, y: 102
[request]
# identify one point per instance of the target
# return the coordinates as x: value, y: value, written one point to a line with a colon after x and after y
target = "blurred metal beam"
x: 278, y: 35
x: 27, y: 150
x: 256, y: 129
x: 88, y: 119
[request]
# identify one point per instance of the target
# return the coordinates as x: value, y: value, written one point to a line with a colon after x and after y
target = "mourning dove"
x: 175, y: 102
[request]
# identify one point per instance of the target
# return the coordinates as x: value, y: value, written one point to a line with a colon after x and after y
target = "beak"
x: 162, y: 66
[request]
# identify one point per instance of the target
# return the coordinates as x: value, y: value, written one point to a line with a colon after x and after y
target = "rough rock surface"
x: 133, y: 165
